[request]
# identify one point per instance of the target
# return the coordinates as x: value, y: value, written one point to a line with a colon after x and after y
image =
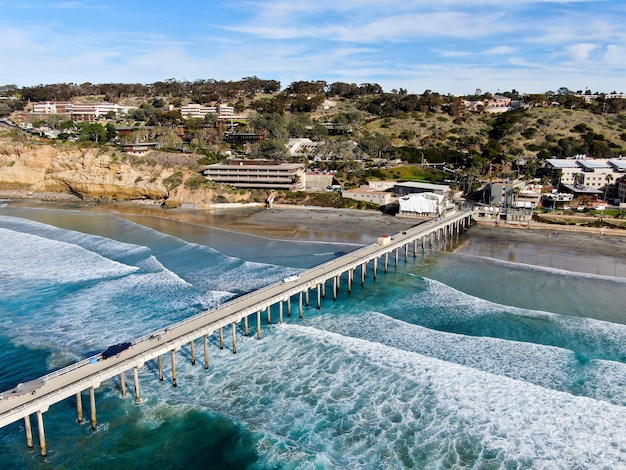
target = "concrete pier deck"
x: 38, y: 395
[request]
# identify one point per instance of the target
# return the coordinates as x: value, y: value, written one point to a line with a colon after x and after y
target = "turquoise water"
x: 448, y: 361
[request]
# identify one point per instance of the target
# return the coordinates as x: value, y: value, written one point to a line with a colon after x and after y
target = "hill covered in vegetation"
x: 359, y: 129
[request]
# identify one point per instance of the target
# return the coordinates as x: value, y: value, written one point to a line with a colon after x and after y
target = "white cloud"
x: 454, y: 53
x: 615, y: 54
x: 580, y: 52
x: 500, y: 50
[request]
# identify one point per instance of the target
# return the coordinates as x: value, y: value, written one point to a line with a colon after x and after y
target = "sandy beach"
x: 580, y: 249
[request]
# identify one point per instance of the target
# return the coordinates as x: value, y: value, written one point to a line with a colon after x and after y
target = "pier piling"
x: 79, y: 408
x: 136, y: 384
x: 92, y: 403
x: 29, y: 432
x: 173, y: 356
x: 122, y: 385
x: 42, y: 434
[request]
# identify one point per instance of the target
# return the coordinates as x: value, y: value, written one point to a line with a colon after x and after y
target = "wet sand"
x: 566, y: 248
x: 577, y: 251
x: 584, y: 251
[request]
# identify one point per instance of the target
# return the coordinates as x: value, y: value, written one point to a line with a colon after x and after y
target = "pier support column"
x: 122, y: 384
x: 334, y: 287
x: 363, y: 268
x: 92, y: 403
x: 289, y: 306
x: 269, y: 315
x: 406, y: 252
x: 423, y: 244
x: 300, y: 304
x: 173, y: 357
x: 396, y: 257
x: 280, y: 312
x: 258, y: 325
x: 29, y: 432
x: 234, y: 325
x: 206, y: 350
x: 193, y: 352
x: 338, y: 282
x: 324, y: 289
x: 245, y: 326
x: 42, y: 434
x: 319, y: 296
x: 136, y: 383
x: 350, y: 279
x: 222, y: 336
x: 414, y: 248
x: 160, y: 361
x: 79, y: 408
x: 306, y: 296
x: 386, y: 262
x: 375, y: 267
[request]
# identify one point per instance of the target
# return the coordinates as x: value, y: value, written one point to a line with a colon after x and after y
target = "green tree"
x: 608, y: 178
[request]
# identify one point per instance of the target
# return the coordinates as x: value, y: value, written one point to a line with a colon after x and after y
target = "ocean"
x: 451, y: 360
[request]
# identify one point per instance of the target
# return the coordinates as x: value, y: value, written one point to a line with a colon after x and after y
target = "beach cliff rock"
x: 92, y: 173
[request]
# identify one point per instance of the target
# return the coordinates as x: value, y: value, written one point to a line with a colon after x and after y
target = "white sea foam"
x: 547, y: 366
x: 105, y: 247
x: 352, y: 402
x: 31, y: 257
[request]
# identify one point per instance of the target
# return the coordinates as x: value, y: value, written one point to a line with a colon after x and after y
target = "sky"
x: 447, y: 46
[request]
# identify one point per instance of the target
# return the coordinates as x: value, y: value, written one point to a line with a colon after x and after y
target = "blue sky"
x: 448, y: 46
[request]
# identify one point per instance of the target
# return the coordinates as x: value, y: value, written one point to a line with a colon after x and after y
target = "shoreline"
x: 579, y: 249
x: 212, y: 216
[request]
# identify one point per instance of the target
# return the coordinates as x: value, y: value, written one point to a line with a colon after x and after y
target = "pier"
x: 36, y: 396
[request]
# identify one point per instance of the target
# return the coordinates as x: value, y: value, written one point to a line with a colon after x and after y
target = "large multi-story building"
x: 199, y: 111
x: 80, y: 111
x: 593, y: 173
x: 258, y: 174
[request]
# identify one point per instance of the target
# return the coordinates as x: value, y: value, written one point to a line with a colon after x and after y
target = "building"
x: 581, y: 172
x: 319, y: 181
x: 302, y: 147
x: 402, y: 189
x: 621, y: 188
x: 258, y: 174
x: 528, y: 197
x: 138, y: 149
x: 194, y: 110
x: 240, y: 138
x: 422, y: 205
x: 367, y: 194
x: 87, y: 112
x: 557, y: 200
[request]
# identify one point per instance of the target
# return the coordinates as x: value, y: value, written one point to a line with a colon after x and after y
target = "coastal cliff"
x: 97, y: 173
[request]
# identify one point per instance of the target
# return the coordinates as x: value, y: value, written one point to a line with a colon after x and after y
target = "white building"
x: 586, y: 172
x: 422, y: 204
x: 80, y: 111
x: 302, y: 147
x: 194, y: 110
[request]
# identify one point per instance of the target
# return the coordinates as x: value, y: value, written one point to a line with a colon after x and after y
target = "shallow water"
x: 448, y: 361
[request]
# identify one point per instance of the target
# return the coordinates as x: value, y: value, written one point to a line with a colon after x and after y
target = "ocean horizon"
x: 454, y: 359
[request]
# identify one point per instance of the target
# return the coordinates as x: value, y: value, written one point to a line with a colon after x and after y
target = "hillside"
x: 360, y: 130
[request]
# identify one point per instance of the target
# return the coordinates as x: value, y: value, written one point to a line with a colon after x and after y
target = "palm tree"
x: 608, y: 178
